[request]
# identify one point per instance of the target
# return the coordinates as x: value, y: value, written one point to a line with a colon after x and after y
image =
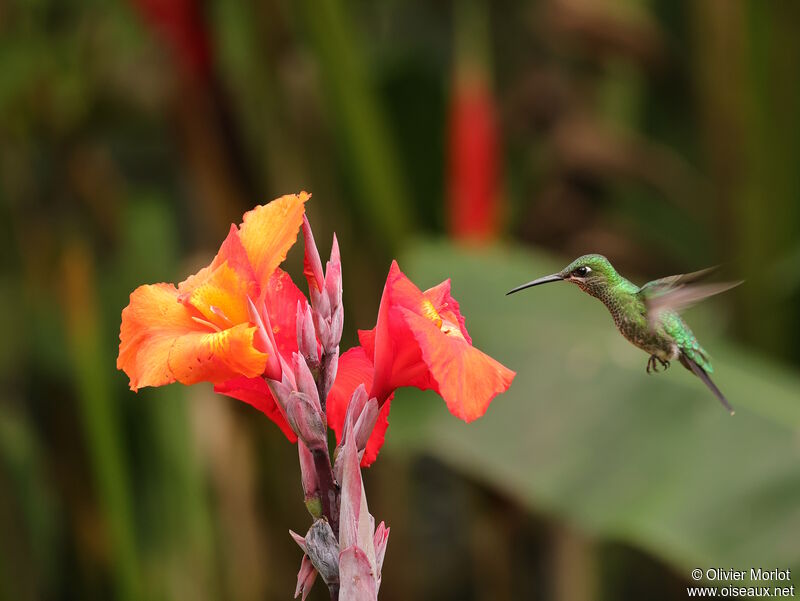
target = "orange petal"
x: 281, y: 296
x: 222, y: 297
x: 269, y: 231
x: 161, y: 343
x: 398, y: 361
x: 216, y: 356
x: 231, y: 252
x: 464, y: 377
x: 150, y: 324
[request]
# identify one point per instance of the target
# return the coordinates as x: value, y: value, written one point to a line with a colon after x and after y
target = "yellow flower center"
x: 429, y: 311
x: 447, y: 327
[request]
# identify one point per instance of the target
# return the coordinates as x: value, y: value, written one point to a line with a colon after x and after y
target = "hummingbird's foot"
x: 652, y: 365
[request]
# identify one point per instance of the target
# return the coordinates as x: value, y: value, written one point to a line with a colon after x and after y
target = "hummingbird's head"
x: 591, y: 273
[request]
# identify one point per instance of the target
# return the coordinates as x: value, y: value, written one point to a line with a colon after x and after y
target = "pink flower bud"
x: 300, y: 540
x: 311, y: 261
x: 306, y: 420
x: 381, y: 540
x: 325, y: 291
x: 361, y: 415
x: 333, y: 283
x: 281, y: 391
x: 337, y: 325
x: 357, y: 402
x: 365, y: 424
x: 306, y: 336
x: 305, y: 578
x: 305, y: 379
x: 265, y: 339
x: 308, y: 474
x: 323, y: 328
x: 335, y: 256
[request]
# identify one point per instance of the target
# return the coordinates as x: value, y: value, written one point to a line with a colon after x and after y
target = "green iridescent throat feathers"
x: 648, y: 315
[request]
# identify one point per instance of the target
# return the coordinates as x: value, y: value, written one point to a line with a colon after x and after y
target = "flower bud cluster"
x: 343, y: 545
x: 298, y: 397
x: 325, y: 291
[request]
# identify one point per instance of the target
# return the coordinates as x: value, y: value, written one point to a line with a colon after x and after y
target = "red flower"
x: 473, y: 207
x: 420, y: 340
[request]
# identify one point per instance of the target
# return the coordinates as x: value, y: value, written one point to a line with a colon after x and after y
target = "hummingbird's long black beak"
x: 546, y: 279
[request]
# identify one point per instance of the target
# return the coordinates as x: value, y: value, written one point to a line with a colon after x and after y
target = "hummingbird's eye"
x: 581, y: 271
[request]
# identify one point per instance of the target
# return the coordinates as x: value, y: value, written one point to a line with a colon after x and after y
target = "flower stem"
x: 329, y: 492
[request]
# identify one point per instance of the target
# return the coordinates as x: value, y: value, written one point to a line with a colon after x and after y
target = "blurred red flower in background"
x: 181, y: 26
x: 473, y: 193
x: 473, y: 202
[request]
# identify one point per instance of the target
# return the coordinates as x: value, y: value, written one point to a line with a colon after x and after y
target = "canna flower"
x: 420, y: 340
x: 210, y: 328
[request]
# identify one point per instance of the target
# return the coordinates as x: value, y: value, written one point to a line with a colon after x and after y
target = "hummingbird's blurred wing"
x: 678, y: 292
x: 662, y: 285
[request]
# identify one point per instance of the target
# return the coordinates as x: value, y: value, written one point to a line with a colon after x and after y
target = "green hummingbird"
x: 648, y: 315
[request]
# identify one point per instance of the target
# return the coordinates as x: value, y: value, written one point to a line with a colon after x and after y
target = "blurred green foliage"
x: 663, y: 134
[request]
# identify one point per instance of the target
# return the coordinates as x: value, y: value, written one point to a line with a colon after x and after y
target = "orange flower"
x: 202, y: 330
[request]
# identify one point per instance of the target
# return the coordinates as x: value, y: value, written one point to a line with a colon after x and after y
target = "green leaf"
x: 586, y: 435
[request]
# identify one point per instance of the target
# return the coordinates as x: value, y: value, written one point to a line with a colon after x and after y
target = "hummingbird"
x: 648, y: 315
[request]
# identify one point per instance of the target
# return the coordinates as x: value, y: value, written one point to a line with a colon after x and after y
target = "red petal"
x: 367, y: 339
x: 398, y: 361
x: 281, y: 297
x: 378, y: 435
x: 255, y: 392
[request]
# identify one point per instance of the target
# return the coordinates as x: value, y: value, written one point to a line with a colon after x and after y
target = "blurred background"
x: 490, y: 142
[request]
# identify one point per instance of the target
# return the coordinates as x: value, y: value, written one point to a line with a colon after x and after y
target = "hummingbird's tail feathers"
x: 692, y: 366
x: 681, y: 297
